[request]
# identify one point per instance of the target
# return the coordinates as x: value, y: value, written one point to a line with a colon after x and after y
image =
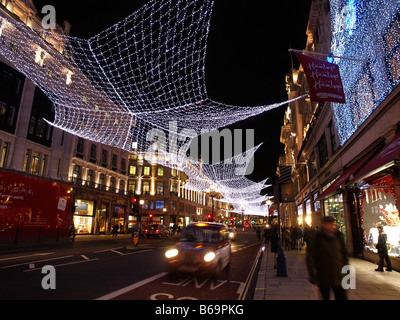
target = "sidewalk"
x: 370, y: 284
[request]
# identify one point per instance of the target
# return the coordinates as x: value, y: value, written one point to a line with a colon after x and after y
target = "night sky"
x: 247, y: 56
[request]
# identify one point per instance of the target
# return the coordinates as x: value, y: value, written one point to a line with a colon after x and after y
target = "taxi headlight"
x: 231, y: 235
x: 171, y: 253
x: 209, y: 257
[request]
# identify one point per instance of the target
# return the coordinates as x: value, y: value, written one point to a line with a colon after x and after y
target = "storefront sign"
x: 323, y: 79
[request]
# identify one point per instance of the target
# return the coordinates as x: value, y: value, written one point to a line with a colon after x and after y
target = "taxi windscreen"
x: 201, y: 234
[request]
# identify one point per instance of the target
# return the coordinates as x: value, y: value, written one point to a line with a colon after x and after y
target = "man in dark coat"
x: 326, y: 256
x: 383, y: 251
x: 274, y: 240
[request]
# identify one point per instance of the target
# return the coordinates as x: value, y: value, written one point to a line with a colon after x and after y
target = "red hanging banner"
x: 323, y: 79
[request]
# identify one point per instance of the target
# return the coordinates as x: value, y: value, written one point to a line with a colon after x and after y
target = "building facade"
x: 165, y: 199
x: 308, y: 131
x: 346, y: 157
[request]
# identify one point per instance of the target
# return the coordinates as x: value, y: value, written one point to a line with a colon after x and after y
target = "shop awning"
x: 384, y: 159
x: 349, y: 172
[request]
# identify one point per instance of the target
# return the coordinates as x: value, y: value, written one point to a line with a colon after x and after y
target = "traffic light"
x: 135, y: 205
x: 150, y: 215
x: 209, y: 218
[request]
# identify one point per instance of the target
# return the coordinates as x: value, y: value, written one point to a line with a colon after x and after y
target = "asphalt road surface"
x: 109, y: 268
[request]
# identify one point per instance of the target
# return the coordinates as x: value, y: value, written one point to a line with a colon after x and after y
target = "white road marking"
x: 131, y: 287
x: 30, y: 255
x: 124, y: 254
x: 135, y: 252
x: 64, y: 264
x: 33, y: 262
x: 105, y: 250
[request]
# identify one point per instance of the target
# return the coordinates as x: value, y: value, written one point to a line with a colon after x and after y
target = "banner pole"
x: 326, y: 55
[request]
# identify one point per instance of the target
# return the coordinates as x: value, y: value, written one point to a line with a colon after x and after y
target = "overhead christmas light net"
x: 125, y: 86
x: 137, y: 75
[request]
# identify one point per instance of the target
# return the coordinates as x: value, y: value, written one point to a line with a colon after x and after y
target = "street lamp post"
x: 269, y: 203
x: 164, y: 218
x: 139, y: 220
x: 212, y: 193
x: 280, y: 258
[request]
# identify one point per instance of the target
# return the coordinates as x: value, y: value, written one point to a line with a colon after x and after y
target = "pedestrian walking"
x: 274, y: 240
x: 383, y: 251
x: 306, y: 234
x: 287, y: 238
x: 293, y: 238
x: 71, y: 231
x: 115, y: 230
x: 267, y: 233
x: 326, y: 256
x: 299, y: 237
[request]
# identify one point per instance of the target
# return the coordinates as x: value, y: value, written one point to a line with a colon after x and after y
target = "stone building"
x: 345, y: 157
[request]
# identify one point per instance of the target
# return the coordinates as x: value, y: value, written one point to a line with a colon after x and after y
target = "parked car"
x: 204, y: 249
x: 157, y: 231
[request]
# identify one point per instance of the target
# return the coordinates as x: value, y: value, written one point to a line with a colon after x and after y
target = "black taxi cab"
x: 204, y: 249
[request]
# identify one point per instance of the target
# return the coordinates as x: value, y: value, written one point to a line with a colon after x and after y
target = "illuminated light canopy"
x: 133, y: 78
x: 139, y: 85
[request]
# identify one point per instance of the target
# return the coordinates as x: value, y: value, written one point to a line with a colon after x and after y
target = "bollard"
x: 39, y: 233
x: 135, y: 236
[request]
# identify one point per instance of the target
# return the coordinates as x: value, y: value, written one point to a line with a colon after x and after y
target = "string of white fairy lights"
x: 227, y: 179
x: 368, y: 31
x: 139, y: 85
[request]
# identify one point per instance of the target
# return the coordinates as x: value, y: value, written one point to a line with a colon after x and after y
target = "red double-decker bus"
x: 33, y: 207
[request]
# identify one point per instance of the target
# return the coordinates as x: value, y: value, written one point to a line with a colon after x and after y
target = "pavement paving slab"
x: 370, y: 284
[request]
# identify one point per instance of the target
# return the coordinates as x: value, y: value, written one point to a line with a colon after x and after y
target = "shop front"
x: 102, y: 216
x: 377, y: 190
x: 299, y: 213
x: 334, y: 207
x: 132, y: 222
x: 83, y: 216
x: 308, y: 215
x: 378, y: 204
x: 118, y: 217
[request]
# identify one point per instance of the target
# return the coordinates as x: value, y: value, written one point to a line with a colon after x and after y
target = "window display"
x: 378, y: 204
x: 83, y: 216
x: 308, y: 212
x: 83, y: 225
x: 334, y: 208
x: 300, y: 214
